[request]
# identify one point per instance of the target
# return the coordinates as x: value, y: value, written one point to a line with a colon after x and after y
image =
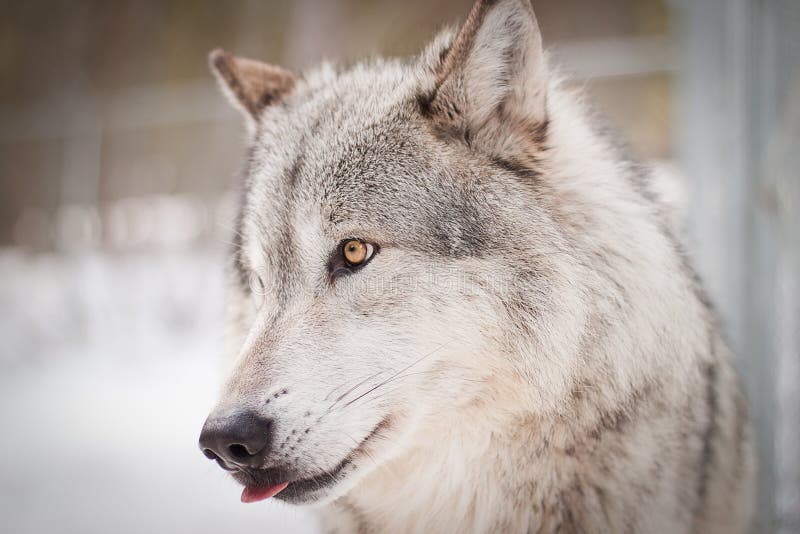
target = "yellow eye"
x: 356, y: 252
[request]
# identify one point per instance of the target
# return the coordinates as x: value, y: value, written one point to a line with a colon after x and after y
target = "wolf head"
x: 405, y: 250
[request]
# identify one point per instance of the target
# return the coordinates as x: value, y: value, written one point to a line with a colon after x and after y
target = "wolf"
x: 457, y: 305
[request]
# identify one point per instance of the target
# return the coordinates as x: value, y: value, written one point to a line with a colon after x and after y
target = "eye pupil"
x: 355, y: 252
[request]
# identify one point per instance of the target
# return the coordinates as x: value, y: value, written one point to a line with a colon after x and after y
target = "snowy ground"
x: 108, y: 366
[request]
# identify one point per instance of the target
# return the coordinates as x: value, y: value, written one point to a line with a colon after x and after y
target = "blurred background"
x: 117, y: 162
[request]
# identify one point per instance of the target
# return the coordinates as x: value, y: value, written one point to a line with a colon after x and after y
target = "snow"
x: 108, y: 367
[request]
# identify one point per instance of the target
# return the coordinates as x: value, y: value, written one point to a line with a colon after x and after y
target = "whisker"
x: 397, y: 373
x: 370, y: 377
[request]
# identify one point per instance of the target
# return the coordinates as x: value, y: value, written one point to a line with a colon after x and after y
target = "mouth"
x: 261, y: 484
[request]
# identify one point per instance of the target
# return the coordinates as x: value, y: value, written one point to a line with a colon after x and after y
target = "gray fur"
x: 529, y: 350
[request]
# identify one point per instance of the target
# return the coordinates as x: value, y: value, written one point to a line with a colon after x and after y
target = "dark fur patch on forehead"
x: 445, y: 219
x: 387, y: 178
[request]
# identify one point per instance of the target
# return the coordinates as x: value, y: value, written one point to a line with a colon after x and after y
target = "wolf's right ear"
x: 250, y: 85
x: 488, y: 82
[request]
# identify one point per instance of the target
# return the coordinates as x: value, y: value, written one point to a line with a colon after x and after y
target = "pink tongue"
x: 251, y: 494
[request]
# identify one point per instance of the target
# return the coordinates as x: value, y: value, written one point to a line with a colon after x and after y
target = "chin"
x: 313, y: 493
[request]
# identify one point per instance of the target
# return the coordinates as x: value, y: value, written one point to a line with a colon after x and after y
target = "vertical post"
x: 738, y: 138
x: 775, y: 223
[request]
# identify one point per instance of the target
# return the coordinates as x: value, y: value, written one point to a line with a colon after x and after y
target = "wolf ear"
x: 491, y: 76
x: 250, y: 85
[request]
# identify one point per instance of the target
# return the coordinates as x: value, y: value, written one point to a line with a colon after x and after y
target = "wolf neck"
x: 455, y: 483
x: 518, y: 474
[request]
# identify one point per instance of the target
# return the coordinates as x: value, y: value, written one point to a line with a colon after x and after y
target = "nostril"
x: 239, y: 438
x: 239, y: 451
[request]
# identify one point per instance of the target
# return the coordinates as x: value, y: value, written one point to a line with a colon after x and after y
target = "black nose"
x: 236, y: 439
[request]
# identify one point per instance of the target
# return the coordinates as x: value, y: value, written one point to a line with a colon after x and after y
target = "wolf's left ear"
x: 491, y: 78
x: 250, y: 85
